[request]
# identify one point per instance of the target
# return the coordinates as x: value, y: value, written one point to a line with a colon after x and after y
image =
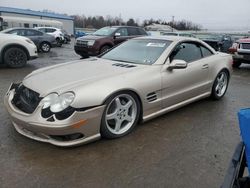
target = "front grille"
x: 26, y: 99
x: 245, y: 46
x: 82, y: 43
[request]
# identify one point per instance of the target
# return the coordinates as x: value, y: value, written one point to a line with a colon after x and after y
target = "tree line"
x: 98, y: 22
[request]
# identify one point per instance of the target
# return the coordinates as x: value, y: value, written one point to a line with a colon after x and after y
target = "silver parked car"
x: 43, y: 41
x: 80, y: 101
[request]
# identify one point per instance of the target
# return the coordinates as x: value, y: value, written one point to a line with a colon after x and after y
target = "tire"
x: 220, y: 85
x: 104, y: 49
x: 84, y: 56
x: 58, y: 42
x: 236, y: 64
x: 120, y: 115
x: 45, y: 47
x: 15, y: 57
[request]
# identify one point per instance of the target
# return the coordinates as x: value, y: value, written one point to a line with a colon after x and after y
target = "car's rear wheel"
x: 236, y: 64
x: 45, y: 47
x: 120, y: 115
x: 220, y: 85
x: 15, y: 57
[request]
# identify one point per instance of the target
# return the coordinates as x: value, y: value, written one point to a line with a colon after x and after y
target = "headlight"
x: 58, y: 103
x: 91, y: 42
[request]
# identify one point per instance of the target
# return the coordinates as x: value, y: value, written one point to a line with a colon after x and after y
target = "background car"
x: 43, y: 41
x: 219, y: 42
x: 138, y: 80
x: 57, y: 33
x: 105, y: 38
x: 241, y: 52
x: 79, y: 34
x: 15, y: 50
x: 67, y: 37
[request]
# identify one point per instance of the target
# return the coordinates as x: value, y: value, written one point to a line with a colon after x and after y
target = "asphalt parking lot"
x: 190, y: 147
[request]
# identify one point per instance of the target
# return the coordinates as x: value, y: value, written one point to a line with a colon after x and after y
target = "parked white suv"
x: 15, y: 50
x: 57, y: 33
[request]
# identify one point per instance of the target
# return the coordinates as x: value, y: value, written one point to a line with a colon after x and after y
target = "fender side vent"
x: 123, y: 65
x: 151, y: 97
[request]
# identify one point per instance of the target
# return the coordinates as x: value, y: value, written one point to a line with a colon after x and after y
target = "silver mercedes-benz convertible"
x: 106, y: 96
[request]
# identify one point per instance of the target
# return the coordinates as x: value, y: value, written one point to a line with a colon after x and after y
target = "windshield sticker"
x: 158, y: 45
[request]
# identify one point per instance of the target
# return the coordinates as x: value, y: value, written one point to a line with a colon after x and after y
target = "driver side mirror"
x: 117, y: 34
x: 178, y: 64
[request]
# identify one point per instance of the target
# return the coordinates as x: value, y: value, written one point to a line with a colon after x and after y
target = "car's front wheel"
x: 220, y: 85
x: 15, y: 57
x: 120, y: 115
x: 45, y: 47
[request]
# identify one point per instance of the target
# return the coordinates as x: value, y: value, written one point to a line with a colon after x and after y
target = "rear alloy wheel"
x: 45, y: 47
x: 220, y: 85
x: 236, y: 64
x: 120, y: 115
x: 15, y: 57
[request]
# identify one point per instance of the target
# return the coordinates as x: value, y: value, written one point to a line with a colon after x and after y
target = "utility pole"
x: 172, y: 23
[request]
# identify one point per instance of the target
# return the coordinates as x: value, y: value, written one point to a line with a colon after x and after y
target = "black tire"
x: 104, y: 49
x: 45, y: 47
x: 105, y: 130
x: 58, y: 42
x: 236, y: 64
x: 216, y: 93
x: 15, y: 57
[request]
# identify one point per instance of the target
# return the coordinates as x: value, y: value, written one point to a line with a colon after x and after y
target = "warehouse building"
x: 15, y: 17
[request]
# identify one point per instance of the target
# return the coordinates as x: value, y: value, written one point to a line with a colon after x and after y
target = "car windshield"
x: 138, y: 51
x: 106, y: 31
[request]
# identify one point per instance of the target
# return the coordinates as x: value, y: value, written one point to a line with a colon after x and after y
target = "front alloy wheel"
x: 120, y: 116
x: 220, y: 85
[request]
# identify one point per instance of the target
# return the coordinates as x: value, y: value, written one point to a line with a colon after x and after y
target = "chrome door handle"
x: 205, y: 66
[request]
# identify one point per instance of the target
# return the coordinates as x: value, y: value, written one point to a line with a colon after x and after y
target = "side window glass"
x: 186, y: 51
x: 206, y: 52
x: 14, y: 32
x: 30, y: 33
x: 133, y: 31
x: 123, y: 31
x: 21, y: 32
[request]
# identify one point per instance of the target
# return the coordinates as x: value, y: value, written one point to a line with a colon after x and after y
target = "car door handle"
x: 205, y: 66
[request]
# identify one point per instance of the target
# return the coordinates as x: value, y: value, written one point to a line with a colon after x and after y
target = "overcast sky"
x: 211, y: 14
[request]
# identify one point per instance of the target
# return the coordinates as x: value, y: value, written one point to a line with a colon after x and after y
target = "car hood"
x: 67, y: 76
x: 91, y: 37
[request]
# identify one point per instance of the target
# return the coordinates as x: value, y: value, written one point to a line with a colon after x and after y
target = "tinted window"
x: 206, y: 52
x: 42, y: 29
x: 141, y: 31
x: 133, y: 31
x: 49, y: 30
x: 33, y: 33
x: 19, y: 32
x: 186, y: 51
x: 122, y: 31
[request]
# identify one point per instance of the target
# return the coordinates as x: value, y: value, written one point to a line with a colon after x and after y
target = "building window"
x: 34, y: 25
x: 26, y: 25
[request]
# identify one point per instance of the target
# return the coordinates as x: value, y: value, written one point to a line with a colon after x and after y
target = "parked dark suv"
x: 105, y: 38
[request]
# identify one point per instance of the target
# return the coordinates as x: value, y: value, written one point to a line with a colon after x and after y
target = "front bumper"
x: 242, y: 57
x: 38, y: 128
x: 86, y: 51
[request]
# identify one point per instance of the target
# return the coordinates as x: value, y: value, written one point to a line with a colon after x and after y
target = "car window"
x: 186, y: 51
x: 42, y: 29
x: 205, y: 52
x: 33, y: 33
x: 133, y: 31
x: 49, y: 30
x: 141, y: 31
x: 122, y: 31
x: 138, y: 51
x: 14, y: 32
